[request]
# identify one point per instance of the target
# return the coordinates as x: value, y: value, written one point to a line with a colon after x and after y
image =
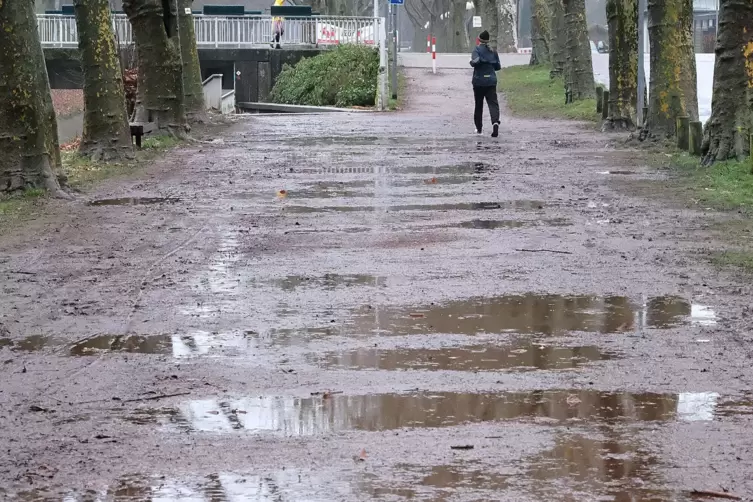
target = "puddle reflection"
x: 495, y: 224
x: 134, y: 201
x: 328, y: 281
x: 291, y: 416
x: 585, y: 467
x: 460, y: 206
x: 534, y: 314
x: 221, y: 487
x: 520, y: 356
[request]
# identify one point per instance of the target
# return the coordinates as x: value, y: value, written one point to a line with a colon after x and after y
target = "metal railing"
x: 56, y: 30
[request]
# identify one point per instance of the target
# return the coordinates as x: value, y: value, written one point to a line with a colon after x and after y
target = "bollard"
x: 599, y: 98
x: 683, y: 131
x: 695, y: 137
x: 434, y: 54
x: 605, y: 105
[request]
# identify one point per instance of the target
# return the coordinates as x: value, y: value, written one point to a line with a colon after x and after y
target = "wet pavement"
x: 374, y: 307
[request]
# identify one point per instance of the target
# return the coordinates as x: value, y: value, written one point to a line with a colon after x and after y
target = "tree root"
x: 618, y: 124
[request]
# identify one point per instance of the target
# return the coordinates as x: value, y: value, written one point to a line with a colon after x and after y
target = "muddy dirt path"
x: 422, y: 314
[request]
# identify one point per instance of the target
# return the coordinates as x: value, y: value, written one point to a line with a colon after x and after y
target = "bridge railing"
x: 56, y: 30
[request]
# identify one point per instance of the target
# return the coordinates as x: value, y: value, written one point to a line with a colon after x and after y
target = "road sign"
x: 397, y: 2
x: 477, y: 21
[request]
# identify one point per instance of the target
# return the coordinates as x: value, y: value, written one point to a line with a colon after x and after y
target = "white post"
x: 382, y: 82
x: 641, y: 61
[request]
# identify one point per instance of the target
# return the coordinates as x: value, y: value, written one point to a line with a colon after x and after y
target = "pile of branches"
x: 130, y: 82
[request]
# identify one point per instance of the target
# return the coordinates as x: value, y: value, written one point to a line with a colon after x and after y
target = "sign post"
x: 394, y: 5
x: 641, y: 62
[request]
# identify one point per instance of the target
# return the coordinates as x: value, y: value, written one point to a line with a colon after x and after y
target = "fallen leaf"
x: 282, y: 193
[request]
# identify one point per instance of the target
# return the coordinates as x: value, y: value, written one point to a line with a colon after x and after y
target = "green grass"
x: 83, y: 172
x: 739, y: 259
x: 12, y: 204
x: 531, y: 93
x: 724, y: 185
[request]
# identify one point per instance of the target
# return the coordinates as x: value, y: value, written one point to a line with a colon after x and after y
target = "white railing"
x: 56, y: 30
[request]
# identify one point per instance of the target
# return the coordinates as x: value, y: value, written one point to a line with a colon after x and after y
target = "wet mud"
x: 375, y: 307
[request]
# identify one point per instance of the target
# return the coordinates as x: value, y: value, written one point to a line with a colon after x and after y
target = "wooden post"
x: 695, y: 137
x: 599, y: 98
x: 683, y: 131
x: 605, y: 105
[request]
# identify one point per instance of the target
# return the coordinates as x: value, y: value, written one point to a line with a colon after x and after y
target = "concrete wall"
x: 213, y: 91
x: 255, y: 70
x: 258, y: 68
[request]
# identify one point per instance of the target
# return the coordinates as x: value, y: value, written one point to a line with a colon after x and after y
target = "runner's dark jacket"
x: 485, y: 64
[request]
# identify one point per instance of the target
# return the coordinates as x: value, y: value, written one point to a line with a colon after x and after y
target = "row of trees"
x: 169, y: 93
x: 559, y: 35
x: 673, y: 81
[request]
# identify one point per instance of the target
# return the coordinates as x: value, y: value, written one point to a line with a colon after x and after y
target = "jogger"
x: 488, y: 93
x: 485, y: 63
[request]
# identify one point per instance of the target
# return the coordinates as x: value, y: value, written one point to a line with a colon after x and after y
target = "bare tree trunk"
x: 459, y: 37
x: 28, y: 127
x: 160, y: 92
x: 727, y: 133
x: 491, y: 21
x: 193, y: 90
x: 106, y: 132
x: 673, y: 85
x: 622, y: 18
x: 540, y: 33
x: 506, y: 31
x: 558, y: 41
x: 580, y: 72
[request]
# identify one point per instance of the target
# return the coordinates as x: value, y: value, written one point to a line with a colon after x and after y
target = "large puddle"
x: 461, y: 206
x: 520, y: 356
x: 534, y: 314
x: 134, y: 201
x: 518, y: 314
x: 326, y: 414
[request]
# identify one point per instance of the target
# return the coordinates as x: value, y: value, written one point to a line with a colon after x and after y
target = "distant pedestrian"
x: 278, y: 30
x: 485, y: 63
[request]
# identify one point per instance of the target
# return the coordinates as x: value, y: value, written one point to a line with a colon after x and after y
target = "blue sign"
x: 397, y: 2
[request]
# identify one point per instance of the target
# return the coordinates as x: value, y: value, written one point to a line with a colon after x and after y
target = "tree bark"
x: 540, y: 33
x: 622, y: 19
x: 106, y: 133
x: 459, y: 35
x: 728, y: 130
x: 160, y: 93
x: 558, y: 40
x: 579, y: 73
x: 491, y: 21
x: 673, y: 84
x: 506, y: 26
x: 193, y: 90
x: 28, y: 127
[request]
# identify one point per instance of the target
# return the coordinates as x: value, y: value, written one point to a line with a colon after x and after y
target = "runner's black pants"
x: 489, y: 93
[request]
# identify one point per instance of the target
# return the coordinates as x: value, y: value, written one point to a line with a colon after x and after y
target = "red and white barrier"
x: 434, y: 54
x: 327, y: 34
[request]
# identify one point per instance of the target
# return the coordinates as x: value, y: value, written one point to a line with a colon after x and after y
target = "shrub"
x: 343, y: 76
